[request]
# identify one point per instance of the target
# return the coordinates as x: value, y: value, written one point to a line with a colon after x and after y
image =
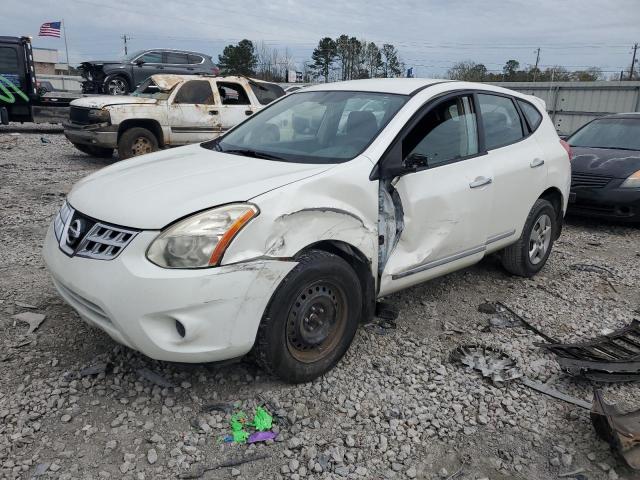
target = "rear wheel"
x: 136, y: 141
x: 94, y: 151
x: 529, y: 254
x: 116, y: 85
x: 311, y: 318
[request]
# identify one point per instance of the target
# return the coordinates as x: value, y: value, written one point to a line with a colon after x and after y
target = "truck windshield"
x: 148, y: 89
x: 614, y: 133
x: 313, y: 127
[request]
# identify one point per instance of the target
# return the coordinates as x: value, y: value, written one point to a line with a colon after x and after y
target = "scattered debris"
x: 552, y: 392
x: 386, y: 311
x: 507, y: 318
x: 488, y: 308
x: 492, y: 363
x: 33, y: 319
x: 261, y: 437
x: 621, y: 430
x: 154, y: 378
x: 25, y: 305
x: 524, y: 323
x: 608, y: 358
x: 200, y: 470
x: 262, y: 423
x: 44, y: 140
x: 587, y: 267
x: 95, y: 369
x: 573, y: 474
x: 279, y: 417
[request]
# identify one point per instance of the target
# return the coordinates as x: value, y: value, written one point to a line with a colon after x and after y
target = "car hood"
x: 94, y: 63
x: 153, y: 190
x: 100, y: 101
x: 605, y: 161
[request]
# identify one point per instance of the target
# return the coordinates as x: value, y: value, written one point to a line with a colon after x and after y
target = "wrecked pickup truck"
x: 165, y: 111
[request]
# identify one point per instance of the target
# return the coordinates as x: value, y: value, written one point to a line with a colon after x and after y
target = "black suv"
x: 122, y: 77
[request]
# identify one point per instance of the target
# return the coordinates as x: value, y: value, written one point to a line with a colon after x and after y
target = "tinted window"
x: 501, y: 120
x: 177, y: 58
x: 152, y: 57
x: 266, y: 92
x: 195, y: 91
x: 303, y: 128
x: 193, y: 59
x: 533, y: 116
x: 8, y: 60
x: 232, y: 94
x: 447, y: 132
x: 621, y: 133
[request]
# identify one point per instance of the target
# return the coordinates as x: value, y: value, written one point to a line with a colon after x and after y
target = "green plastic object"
x: 262, y: 421
x: 237, y: 427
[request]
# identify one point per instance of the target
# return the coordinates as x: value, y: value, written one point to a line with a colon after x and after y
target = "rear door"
x: 235, y: 104
x: 176, y: 62
x: 444, y: 206
x: 194, y: 113
x: 518, y: 164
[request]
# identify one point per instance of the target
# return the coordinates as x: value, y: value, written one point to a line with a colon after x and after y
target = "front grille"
x: 81, y: 236
x: 589, y: 180
x: 79, y: 115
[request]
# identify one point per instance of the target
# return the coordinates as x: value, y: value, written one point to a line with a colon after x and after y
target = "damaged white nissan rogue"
x: 278, y: 237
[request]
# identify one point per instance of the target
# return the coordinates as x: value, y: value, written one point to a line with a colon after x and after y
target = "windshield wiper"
x: 247, y: 152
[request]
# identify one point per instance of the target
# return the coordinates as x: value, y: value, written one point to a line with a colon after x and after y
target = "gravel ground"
x: 395, y: 407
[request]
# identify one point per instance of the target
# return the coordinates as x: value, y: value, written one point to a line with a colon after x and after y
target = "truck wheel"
x: 94, y: 151
x: 136, y: 141
x: 116, y: 85
x: 311, y: 318
x: 529, y: 254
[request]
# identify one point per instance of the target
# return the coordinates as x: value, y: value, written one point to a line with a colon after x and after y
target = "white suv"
x: 279, y: 236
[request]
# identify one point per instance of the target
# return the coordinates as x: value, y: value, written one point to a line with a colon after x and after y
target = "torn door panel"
x: 620, y: 430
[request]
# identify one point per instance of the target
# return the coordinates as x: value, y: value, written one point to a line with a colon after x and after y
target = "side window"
x: 177, y: 58
x: 502, y: 124
x: 266, y: 92
x: 195, y: 59
x: 445, y: 133
x: 8, y: 60
x: 195, y: 91
x: 232, y: 94
x: 533, y: 116
x: 151, y: 57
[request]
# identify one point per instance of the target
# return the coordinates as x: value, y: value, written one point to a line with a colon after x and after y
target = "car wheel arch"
x: 152, y: 125
x: 554, y: 196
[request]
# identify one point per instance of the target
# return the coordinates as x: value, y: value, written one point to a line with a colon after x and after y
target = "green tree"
x: 510, y: 69
x: 323, y: 56
x: 372, y: 59
x: 469, y: 71
x: 238, y: 59
x: 391, y: 65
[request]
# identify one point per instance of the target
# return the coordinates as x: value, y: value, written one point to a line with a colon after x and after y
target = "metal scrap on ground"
x: 609, y: 358
x: 154, y: 378
x: 33, y: 319
x: 621, y: 430
x: 492, y: 363
x: 200, y: 470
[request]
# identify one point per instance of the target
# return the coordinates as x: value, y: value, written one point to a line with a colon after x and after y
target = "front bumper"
x: 609, y: 202
x: 139, y: 304
x: 96, y: 135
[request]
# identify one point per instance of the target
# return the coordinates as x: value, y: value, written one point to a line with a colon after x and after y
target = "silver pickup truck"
x: 165, y: 111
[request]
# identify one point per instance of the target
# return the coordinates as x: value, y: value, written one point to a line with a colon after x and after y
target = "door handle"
x: 480, y: 182
x: 248, y: 112
x: 213, y: 112
x: 536, y: 162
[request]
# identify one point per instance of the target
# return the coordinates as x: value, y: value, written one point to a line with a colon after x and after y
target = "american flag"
x: 50, y: 29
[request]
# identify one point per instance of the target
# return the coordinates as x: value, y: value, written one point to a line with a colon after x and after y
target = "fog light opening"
x: 180, y: 329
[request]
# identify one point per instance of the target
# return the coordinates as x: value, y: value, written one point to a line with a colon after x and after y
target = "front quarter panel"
x: 340, y: 204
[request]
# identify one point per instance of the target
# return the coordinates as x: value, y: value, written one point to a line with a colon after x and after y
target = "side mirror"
x: 139, y: 62
x: 415, y: 161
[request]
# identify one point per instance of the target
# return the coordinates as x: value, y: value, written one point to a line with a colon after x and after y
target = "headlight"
x: 200, y: 240
x: 99, y: 116
x: 632, y: 182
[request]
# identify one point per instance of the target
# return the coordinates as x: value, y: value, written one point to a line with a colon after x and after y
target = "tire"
x: 116, y: 85
x: 523, y: 258
x: 94, y: 151
x: 325, y: 291
x: 136, y: 141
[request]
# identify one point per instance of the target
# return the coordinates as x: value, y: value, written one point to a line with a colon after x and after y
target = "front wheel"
x: 116, y: 85
x: 529, y: 254
x: 311, y: 318
x: 136, y: 141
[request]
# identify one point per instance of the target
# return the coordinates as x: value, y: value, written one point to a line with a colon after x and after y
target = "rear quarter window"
x: 501, y: 120
x: 531, y: 113
x: 267, y: 92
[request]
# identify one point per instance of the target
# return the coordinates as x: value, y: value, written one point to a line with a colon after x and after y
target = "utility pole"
x: 633, y: 62
x: 125, y: 37
x: 535, y: 69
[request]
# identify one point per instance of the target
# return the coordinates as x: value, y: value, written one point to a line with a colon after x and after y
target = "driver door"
x: 444, y: 204
x: 194, y: 113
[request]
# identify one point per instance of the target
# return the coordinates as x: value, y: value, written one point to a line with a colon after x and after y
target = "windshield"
x: 131, y: 56
x: 313, y: 127
x: 148, y: 89
x: 617, y: 133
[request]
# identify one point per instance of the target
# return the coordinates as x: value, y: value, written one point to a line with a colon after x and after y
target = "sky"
x: 430, y: 35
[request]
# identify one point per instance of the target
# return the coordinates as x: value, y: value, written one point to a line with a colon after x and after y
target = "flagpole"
x: 64, y: 24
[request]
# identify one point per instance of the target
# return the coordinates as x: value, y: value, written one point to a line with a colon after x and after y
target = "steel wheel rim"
x: 141, y: 145
x: 540, y: 239
x: 116, y: 86
x: 316, y: 321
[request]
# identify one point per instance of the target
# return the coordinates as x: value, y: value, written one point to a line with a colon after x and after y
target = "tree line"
x: 511, y: 72
x: 347, y: 58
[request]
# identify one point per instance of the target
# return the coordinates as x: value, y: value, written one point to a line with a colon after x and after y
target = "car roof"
x: 633, y: 115
x: 169, y: 80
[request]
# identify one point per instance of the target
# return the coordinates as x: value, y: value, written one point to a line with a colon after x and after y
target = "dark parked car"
x: 121, y: 77
x: 605, y: 176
